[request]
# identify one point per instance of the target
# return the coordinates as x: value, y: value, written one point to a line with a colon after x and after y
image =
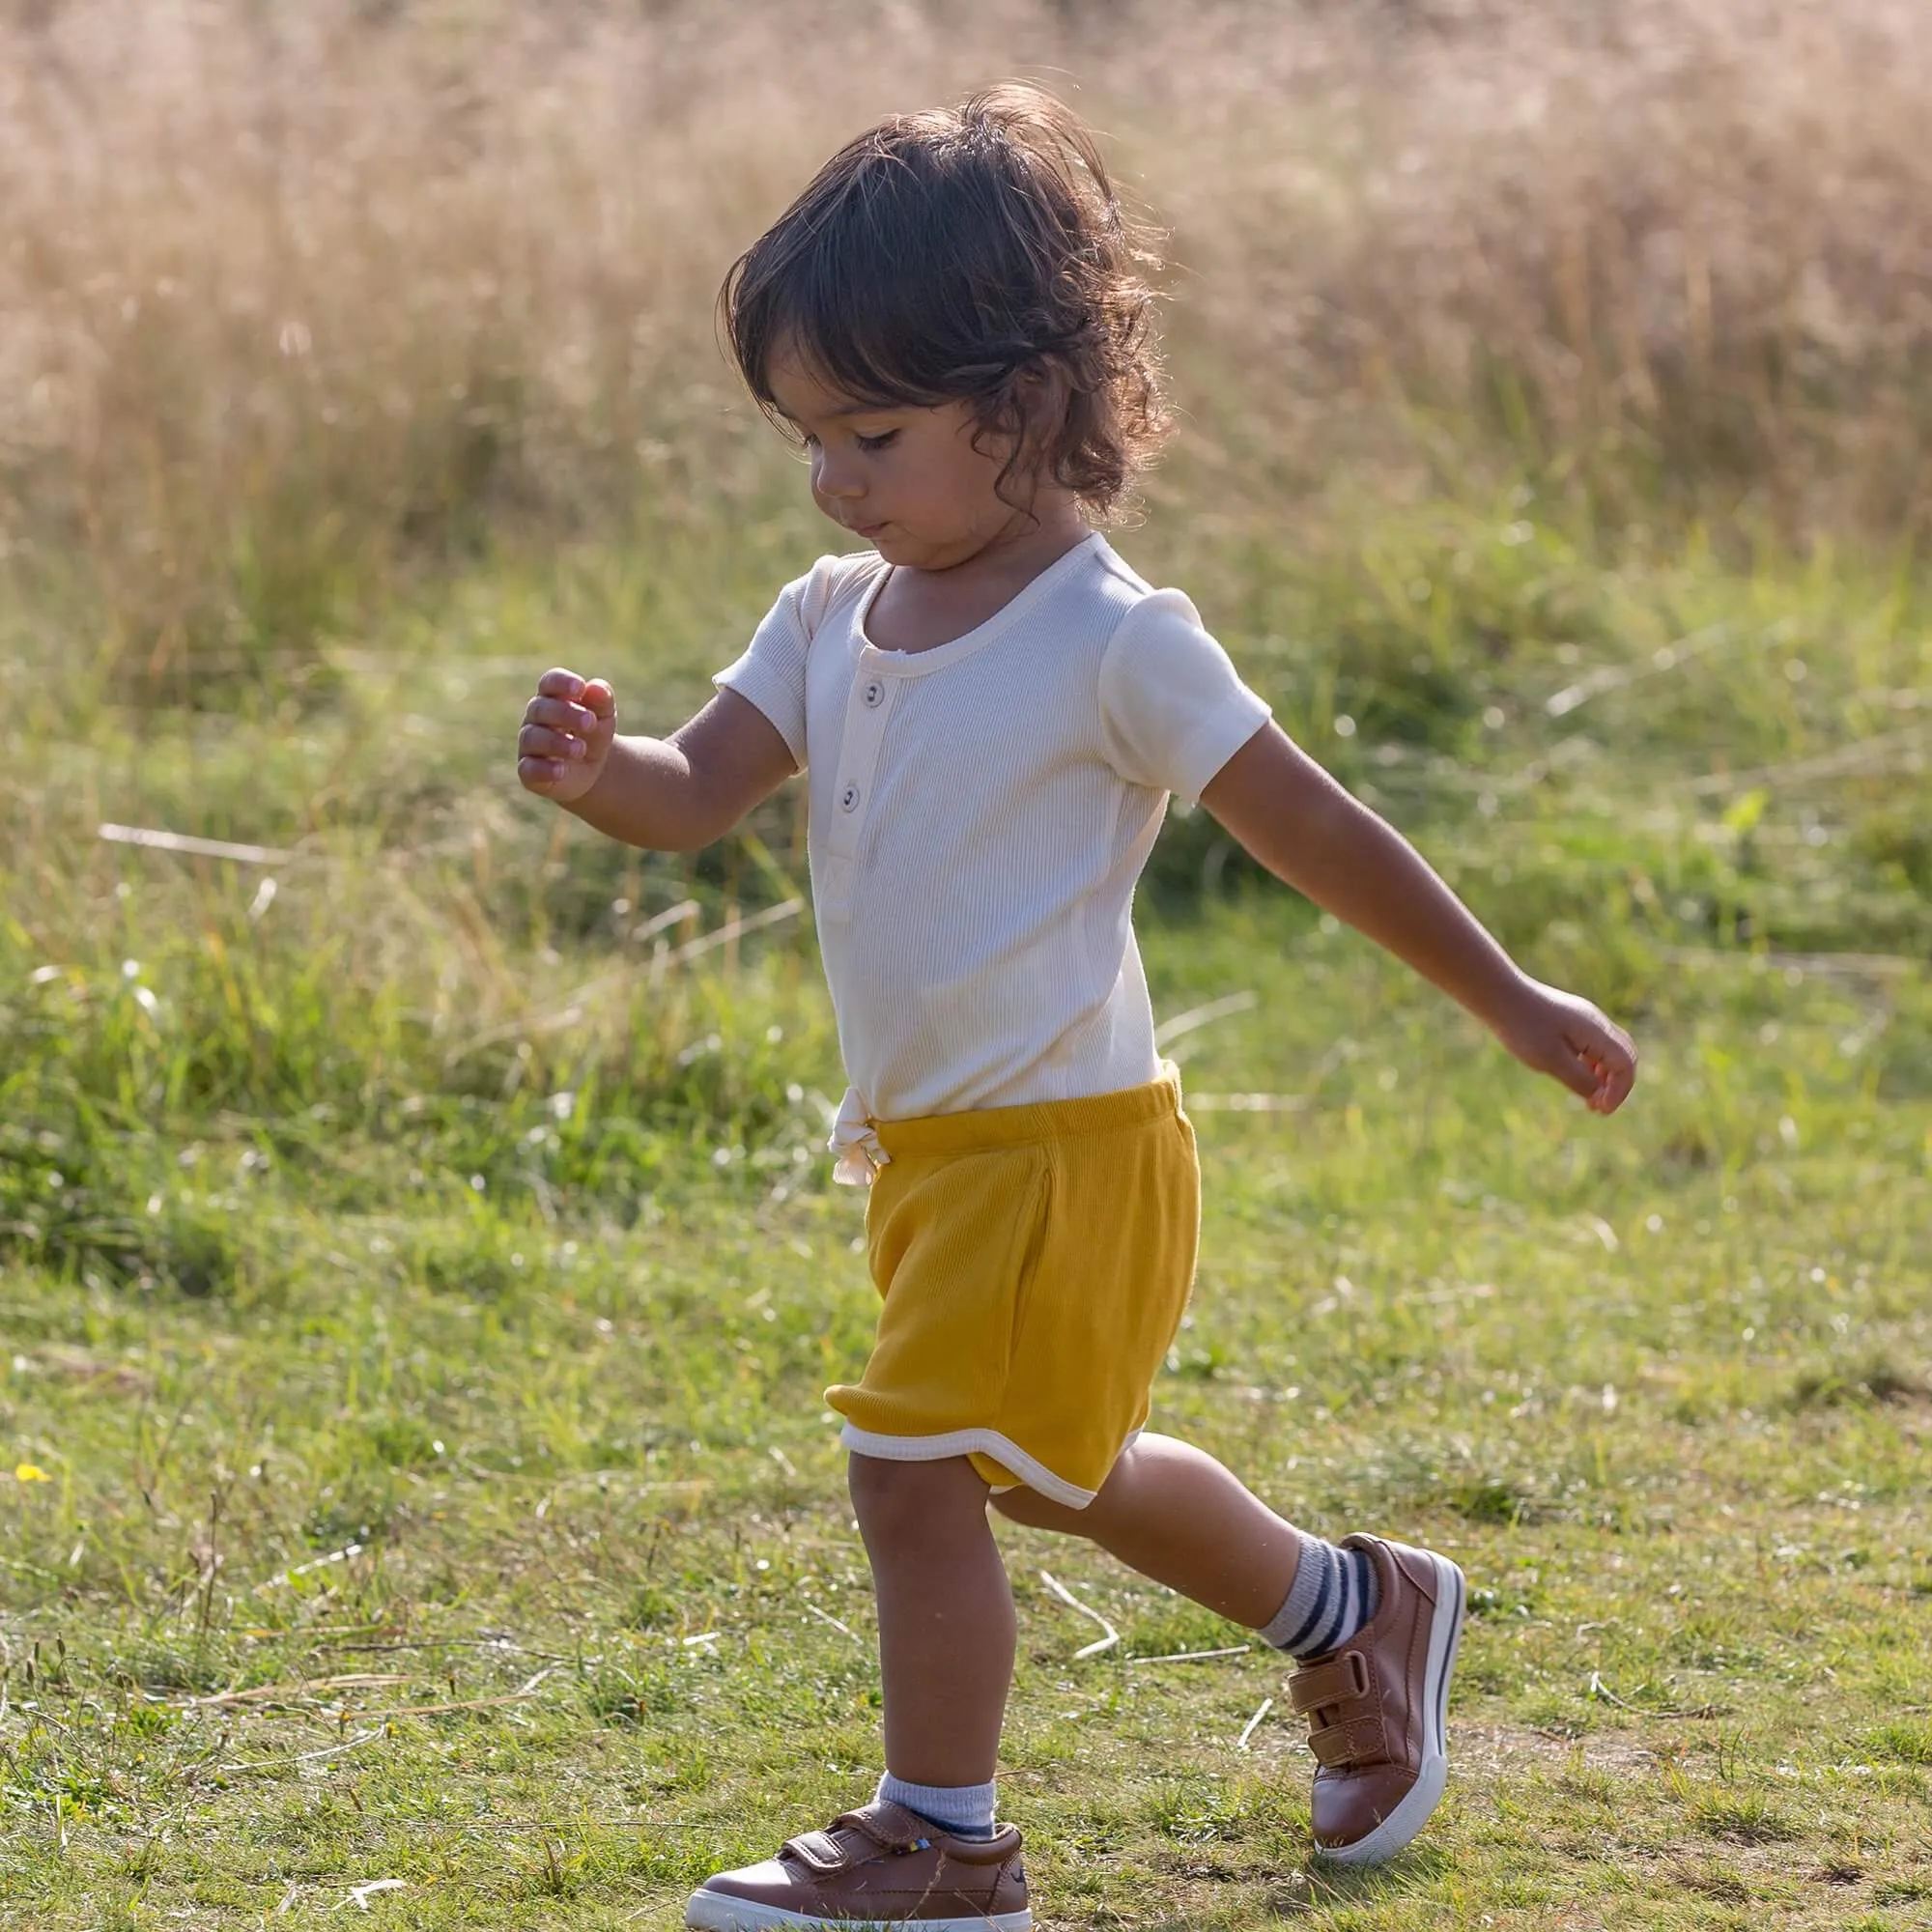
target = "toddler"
x: 992, y: 710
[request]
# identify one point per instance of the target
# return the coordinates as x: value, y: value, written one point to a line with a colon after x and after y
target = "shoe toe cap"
x: 767, y: 1881
x: 1346, y: 1809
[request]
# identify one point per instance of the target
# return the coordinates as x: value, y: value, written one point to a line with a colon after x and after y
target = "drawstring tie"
x: 857, y: 1145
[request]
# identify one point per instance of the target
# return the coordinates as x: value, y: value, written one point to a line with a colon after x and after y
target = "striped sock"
x: 964, y: 1810
x: 1334, y: 1595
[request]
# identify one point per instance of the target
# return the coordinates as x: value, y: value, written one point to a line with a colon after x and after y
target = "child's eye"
x: 884, y: 441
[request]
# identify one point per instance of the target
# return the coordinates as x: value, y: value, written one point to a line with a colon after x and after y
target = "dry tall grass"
x: 291, y: 294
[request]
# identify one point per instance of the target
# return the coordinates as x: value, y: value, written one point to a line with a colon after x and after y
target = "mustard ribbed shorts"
x: 1035, y: 1263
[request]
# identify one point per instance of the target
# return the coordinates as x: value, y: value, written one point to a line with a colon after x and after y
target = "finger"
x: 1574, y: 1071
x: 1612, y: 1058
x: 538, y: 774
x: 1616, y: 1087
x: 537, y: 741
x: 1615, y: 1047
x: 1599, y: 1042
x: 560, y: 683
x: 560, y: 715
x: 600, y: 698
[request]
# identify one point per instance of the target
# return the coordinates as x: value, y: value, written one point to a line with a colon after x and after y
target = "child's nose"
x: 832, y: 477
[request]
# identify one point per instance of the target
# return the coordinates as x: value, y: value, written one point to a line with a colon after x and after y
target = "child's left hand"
x: 1567, y: 1039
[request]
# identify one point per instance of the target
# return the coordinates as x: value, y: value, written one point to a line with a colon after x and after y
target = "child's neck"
x: 920, y: 609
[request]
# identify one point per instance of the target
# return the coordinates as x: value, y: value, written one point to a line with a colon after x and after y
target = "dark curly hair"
x: 976, y: 254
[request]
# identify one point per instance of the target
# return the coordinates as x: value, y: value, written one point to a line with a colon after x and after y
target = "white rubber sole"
x: 1445, y: 1634
x: 720, y: 1911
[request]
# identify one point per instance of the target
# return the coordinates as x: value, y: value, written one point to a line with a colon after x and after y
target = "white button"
x: 848, y: 799
x: 874, y: 694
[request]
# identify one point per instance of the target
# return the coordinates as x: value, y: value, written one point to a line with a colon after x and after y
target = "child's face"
x: 906, y: 479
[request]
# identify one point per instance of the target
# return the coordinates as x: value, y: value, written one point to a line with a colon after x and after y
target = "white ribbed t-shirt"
x: 980, y: 814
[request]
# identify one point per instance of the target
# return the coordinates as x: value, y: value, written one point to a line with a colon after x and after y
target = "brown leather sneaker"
x: 878, y: 1866
x: 1375, y: 1707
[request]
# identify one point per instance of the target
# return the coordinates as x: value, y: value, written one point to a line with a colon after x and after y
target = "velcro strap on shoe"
x: 820, y: 1850
x: 1335, y: 1680
x: 853, y: 1836
x: 1338, y: 1745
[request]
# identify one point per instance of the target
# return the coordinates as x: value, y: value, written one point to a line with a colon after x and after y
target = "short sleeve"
x: 1173, y: 707
x: 771, y: 673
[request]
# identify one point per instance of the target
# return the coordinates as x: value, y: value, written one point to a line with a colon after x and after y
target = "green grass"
x: 416, y: 1287
x: 1629, y: 1389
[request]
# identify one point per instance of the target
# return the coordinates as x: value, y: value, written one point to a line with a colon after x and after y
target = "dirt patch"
x: 1496, y: 1750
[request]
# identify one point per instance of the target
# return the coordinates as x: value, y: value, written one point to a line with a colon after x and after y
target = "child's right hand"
x: 568, y: 728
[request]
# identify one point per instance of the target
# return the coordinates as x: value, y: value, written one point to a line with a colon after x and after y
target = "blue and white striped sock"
x: 965, y: 1810
x: 1335, y: 1594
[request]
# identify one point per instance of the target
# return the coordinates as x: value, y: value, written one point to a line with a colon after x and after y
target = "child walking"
x: 992, y: 710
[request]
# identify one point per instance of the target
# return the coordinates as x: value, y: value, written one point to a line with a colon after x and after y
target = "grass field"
x: 418, y: 1273
x: 420, y: 1302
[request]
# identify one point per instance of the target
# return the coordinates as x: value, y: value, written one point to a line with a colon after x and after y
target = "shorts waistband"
x: 985, y: 1128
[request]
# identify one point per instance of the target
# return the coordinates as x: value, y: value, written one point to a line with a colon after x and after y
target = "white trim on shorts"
x: 975, y: 1441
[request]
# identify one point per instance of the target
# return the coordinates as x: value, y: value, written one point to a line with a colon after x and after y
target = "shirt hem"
x: 1218, y: 739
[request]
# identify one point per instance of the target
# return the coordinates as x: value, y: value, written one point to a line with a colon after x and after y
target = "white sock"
x: 966, y: 1810
x: 1335, y: 1593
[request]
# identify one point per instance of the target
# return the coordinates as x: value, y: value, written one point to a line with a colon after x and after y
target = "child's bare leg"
x: 946, y: 1616
x: 1175, y: 1514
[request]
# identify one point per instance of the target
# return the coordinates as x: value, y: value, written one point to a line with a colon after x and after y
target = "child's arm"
x: 1308, y: 831
x: 672, y: 794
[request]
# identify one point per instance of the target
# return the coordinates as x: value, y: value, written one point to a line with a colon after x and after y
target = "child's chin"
x: 912, y: 552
